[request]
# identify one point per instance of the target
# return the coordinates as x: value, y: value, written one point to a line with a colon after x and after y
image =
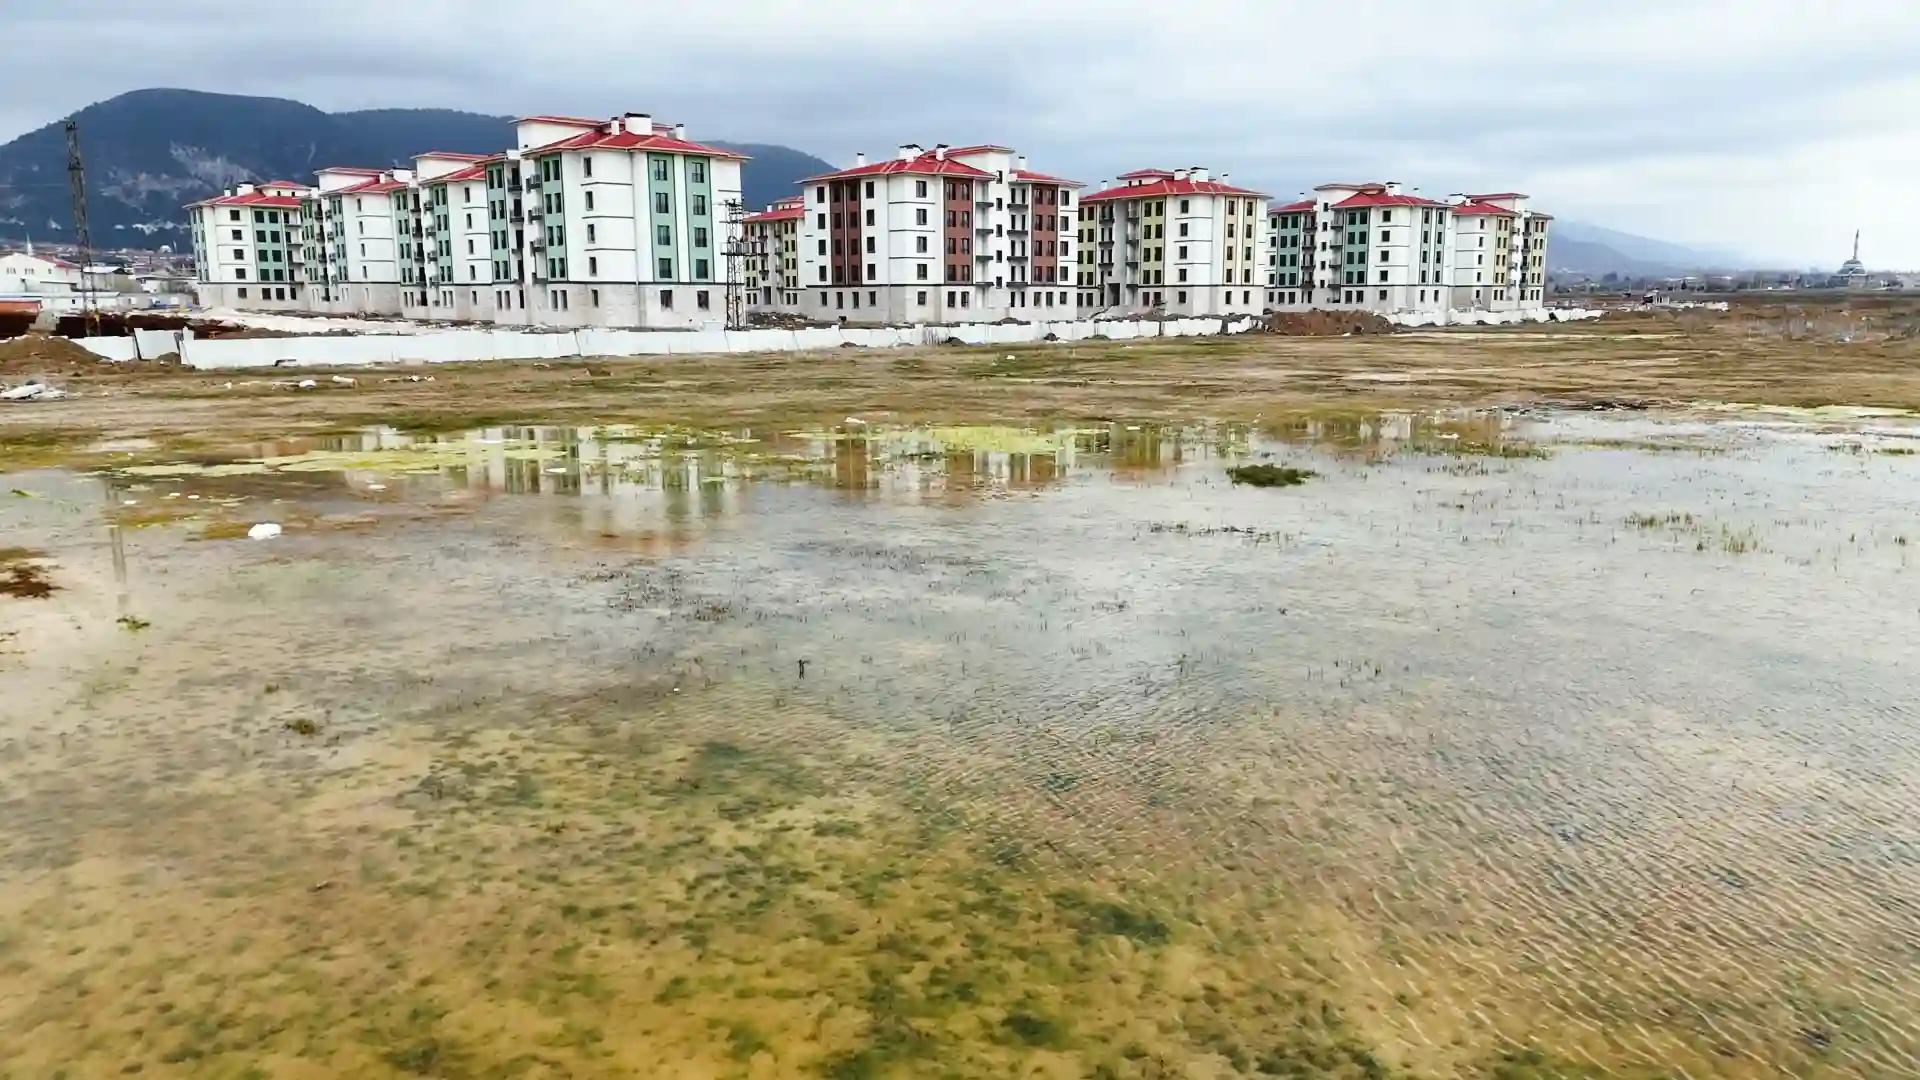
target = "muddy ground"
x: 1778, y: 356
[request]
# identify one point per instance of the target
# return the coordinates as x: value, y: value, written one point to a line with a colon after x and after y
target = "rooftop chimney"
x: 1393, y: 187
x: 243, y: 189
x: 639, y: 124
x: 940, y: 152
x: 1179, y: 174
x: 680, y: 132
x: 1197, y: 174
x: 1020, y: 163
x: 859, y: 160
x: 909, y: 151
x: 1224, y: 176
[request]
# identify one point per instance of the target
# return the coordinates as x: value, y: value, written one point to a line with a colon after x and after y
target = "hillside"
x: 150, y: 152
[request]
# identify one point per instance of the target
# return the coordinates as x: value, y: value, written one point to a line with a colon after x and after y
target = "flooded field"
x: 1505, y: 744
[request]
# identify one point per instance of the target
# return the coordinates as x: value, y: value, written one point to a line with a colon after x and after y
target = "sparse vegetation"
x: 1265, y: 475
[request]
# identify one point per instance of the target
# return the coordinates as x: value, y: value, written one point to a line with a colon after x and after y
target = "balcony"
x: 514, y: 187
x: 1016, y: 230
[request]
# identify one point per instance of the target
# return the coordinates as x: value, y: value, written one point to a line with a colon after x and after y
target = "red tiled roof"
x: 350, y: 169
x: 282, y: 202
x: 471, y: 172
x: 1043, y: 178
x: 1496, y: 195
x: 1377, y: 197
x: 925, y: 164
x: 376, y: 186
x: 286, y: 183
x: 1293, y: 208
x: 982, y: 148
x: 1168, y: 187
x: 777, y: 213
x: 1146, y: 174
x: 601, y: 140
x: 1477, y: 208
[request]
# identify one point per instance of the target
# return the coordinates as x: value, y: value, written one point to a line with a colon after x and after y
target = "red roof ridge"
x: 925, y: 163
x: 1170, y: 187
x: 1146, y: 174
x: 1377, y: 195
x: 1293, y: 208
x: 624, y: 140
x: 981, y: 149
x: 1037, y: 177
x: 1495, y: 195
x: 777, y: 213
x: 1473, y: 208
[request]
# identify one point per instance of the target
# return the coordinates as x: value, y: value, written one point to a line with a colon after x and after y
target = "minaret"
x: 1856, y: 245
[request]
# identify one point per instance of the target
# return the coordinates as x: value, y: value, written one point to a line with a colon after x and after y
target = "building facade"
x: 1172, y: 243
x: 773, y: 256
x: 947, y: 235
x: 1374, y: 247
x: 1500, y: 258
x: 247, y: 247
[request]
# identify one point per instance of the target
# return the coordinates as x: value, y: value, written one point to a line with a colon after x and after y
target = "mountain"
x: 1649, y: 254
x: 150, y: 152
x: 1570, y: 258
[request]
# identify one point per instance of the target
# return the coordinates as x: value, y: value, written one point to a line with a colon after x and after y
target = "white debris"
x: 342, y: 380
x: 266, y: 530
x: 855, y: 420
x: 306, y: 384
x: 376, y: 487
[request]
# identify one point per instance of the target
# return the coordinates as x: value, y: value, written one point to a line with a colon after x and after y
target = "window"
x: 590, y: 233
x: 589, y: 206
x: 820, y: 196
x: 663, y: 235
x: 699, y: 238
x: 702, y: 300
x: 1182, y: 277
x: 666, y: 299
x: 872, y: 274
x: 920, y: 298
x: 869, y: 189
x: 661, y: 203
x: 593, y: 268
x: 243, y: 292
x: 666, y: 269
x: 869, y: 245
x: 920, y: 192
x: 1182, y: 251
x: 233, y: 215
x: 869, y: 216
x: 1183, y: 206
x: 920, y: 274
x: 700, y: 206
x: 1183, y: 229
x: 823, y: 246
x: 700, y: 272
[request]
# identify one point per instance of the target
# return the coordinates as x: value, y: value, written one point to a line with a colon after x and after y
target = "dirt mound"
x: 1327, y: 323
x: 37, y: 353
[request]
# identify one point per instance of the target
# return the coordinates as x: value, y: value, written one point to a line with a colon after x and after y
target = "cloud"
x: 1774, y: 126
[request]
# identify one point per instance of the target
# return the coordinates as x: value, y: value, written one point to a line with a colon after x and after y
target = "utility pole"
x: 77, y: 180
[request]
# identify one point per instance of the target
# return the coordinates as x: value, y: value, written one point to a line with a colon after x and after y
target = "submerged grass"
x: 1269, y: 475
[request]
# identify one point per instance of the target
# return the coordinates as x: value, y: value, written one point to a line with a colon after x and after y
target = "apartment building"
x: 247, y: 248
x: 1500, y: 257
x: 350, y: 237
x: 966, y: 234
x: 617, y: 222
x: 1175, y: 243
x: 446, y: 271
x: 773, y: 256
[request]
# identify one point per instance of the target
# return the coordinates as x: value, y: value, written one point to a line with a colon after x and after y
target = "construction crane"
x: 83, y: 238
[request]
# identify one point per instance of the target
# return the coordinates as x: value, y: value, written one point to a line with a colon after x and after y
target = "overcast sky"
x: 1771, y: 127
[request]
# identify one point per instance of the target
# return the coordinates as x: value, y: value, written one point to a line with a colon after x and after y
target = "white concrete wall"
x: 455, y: 345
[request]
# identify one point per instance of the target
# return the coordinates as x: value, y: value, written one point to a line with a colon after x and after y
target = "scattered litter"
x: 342, y: 380
x: 855, y: 420
x: 557, y: 472
x: 306, y: 384
x: 376, y: 487
x: 33, y: 390
x: 133, y: 623
x: 266, y: 530
x: 129, y: 502
x: 193, y: 496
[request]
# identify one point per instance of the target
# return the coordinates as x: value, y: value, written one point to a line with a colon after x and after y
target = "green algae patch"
x: 1269, y: 475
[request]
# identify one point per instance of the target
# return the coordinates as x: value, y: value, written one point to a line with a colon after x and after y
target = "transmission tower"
x: 83, y: 237
x: 737, y: 251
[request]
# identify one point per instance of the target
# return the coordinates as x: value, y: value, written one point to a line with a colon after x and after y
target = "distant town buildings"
x: 627, y: 223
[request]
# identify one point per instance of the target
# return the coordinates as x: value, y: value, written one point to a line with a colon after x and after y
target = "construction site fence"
x: 453, y: 346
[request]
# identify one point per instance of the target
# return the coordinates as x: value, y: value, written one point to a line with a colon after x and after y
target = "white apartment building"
x: 1373, y: 247
x: 352, y: 241
x: 27, y: 274
x: 966, y: 234
x: 247, y: 249
x: 1174, y: 243
x: 1500, y: 257
x: 773, y: 256
x: 446, y: 269
x: 617, y: 222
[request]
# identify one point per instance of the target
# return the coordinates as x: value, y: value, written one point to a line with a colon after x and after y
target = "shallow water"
x: 1509, y: 745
